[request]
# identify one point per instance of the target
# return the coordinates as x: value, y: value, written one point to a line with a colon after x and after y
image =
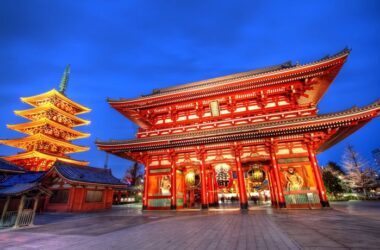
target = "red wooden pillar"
x: 317, y: 174
x: 72, y: 193
x: 215, y: 186
x: 82, y: 197
x: 185, y: 191
x: 274, y: 195
x: 201, y: 155
x: 203, y: 181
x: 281, y: 199
x: 241, y: 184
x: 173, y: 182
x: 146, y: 183
x: 210, y: 189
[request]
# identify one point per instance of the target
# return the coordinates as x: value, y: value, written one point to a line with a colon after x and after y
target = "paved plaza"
x: 349, y: 225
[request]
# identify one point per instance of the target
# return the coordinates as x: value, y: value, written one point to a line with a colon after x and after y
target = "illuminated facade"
x: 246, y: 139
x: 49, y: 131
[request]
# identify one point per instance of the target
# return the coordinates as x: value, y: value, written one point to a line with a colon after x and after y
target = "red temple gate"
x: 238, y: 138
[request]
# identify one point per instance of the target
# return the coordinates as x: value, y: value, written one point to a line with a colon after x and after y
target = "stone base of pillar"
x: 325, y: 204
x: 282, y: 205
x: 244, y: 205
x: 144, y: 207
x: 173, y: 207
x: 204, y: 206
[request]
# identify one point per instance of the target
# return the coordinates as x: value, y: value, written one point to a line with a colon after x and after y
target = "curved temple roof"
x: 47, y: 107
x: 315, y: 78
x: 36, y: 154
x: 262, y: 130
x: 25, y: 141
x: 86, y: 174
x: 32, y: 100
x: 23, y: 128
x: 219, y: 81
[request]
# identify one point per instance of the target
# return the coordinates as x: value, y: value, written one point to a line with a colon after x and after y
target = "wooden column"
x: 173, y: 204
x: 215, y: 186
x: 5, y: 208
x: 276, y: 170
x: 317, y: 175
x: 202, y: 157
x: 19, y: 211
x: 46, y: 201
x: 72, y: 193
x: 271, y: 187
x: 105, y: 197
x: 82, y: 197
x: 146, y: 180
x: 241, y: 184
x: 35, y: 204
x: 210, y: 183
x: 274, y: 195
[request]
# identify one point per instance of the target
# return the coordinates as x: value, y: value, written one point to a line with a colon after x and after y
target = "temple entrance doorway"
x: 192, y: 195
x: 226, y: 186
x: 258, y: 186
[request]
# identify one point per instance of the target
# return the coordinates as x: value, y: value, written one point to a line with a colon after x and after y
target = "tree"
x: 332, y: 175
x: 359, y: 175
x: 335, y: 168
x: 133, y: 175
x: 332, y: 181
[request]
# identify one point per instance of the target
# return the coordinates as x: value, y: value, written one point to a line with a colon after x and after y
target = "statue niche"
x: 294, y: 181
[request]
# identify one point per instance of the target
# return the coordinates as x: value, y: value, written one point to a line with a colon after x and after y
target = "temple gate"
x: 249, y: 138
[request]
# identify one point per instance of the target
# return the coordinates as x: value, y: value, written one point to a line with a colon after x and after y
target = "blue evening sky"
x: 127, y: 48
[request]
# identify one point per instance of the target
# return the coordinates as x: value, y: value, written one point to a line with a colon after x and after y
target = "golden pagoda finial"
x: 65, y: 80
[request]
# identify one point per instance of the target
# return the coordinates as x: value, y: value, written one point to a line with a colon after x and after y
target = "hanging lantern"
x: 258, y: 175
x: 223, y: 175
x: 192, y: 180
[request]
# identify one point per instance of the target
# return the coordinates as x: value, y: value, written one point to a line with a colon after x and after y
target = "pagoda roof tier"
x: 345, y: 122
x: 36, y: 154
x: 48, y: 96
x: 38, y: 112
x: 280, y: 75
x: 31, y: 127
x: 26, y: 141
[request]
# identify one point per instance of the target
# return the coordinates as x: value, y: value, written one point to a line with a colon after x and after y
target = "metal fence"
x: 26, y: 217
x: 9, y: 219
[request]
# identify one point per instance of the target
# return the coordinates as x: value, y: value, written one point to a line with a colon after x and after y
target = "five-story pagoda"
x: 49, y: 131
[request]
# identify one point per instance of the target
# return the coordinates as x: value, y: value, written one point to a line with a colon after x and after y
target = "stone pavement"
x: 258, y: 229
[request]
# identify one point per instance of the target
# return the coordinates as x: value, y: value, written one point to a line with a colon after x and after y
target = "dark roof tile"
x: 24, y: 178
x: 86, y: 174
x: 6, y: 166
x: 18, y: 189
